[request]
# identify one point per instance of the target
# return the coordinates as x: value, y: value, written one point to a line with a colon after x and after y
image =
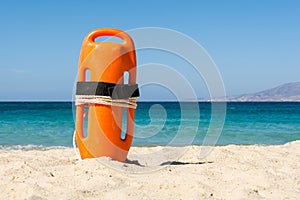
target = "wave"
x: 30, y: 147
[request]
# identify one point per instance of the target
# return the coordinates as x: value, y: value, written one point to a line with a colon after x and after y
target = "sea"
x: 35, y: 125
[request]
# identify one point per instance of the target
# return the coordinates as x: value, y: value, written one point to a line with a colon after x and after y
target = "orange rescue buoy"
x: 106, y: 63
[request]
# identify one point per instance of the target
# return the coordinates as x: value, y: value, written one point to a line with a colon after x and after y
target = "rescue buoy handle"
x: 109, y: 32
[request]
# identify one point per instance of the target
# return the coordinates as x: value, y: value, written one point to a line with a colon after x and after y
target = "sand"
x: 228, y: 172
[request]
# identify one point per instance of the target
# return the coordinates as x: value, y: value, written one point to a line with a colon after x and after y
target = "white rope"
x: 105, y: 100
x: 75, y: 147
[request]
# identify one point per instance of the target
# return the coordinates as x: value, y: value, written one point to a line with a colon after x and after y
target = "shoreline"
x: 30, y: 147
x: 228, y: 172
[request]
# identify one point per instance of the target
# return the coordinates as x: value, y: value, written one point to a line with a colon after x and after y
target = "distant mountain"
x: 286, y: 92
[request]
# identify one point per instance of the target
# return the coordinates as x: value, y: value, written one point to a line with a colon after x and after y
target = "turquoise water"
x: 39, y: 124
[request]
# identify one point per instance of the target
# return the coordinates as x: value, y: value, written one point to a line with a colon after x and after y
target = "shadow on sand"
x: 136, y: 162
x: 184, y: 163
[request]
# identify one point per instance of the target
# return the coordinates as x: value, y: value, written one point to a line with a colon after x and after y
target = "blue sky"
x: 255, y: 44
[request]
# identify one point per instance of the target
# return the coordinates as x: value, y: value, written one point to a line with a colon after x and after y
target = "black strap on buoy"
x: 115, y: 91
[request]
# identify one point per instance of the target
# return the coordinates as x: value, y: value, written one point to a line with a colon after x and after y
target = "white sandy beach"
x: 228, y: 172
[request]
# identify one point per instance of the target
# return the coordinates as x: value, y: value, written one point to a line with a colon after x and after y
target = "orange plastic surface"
x: 107, y: 62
